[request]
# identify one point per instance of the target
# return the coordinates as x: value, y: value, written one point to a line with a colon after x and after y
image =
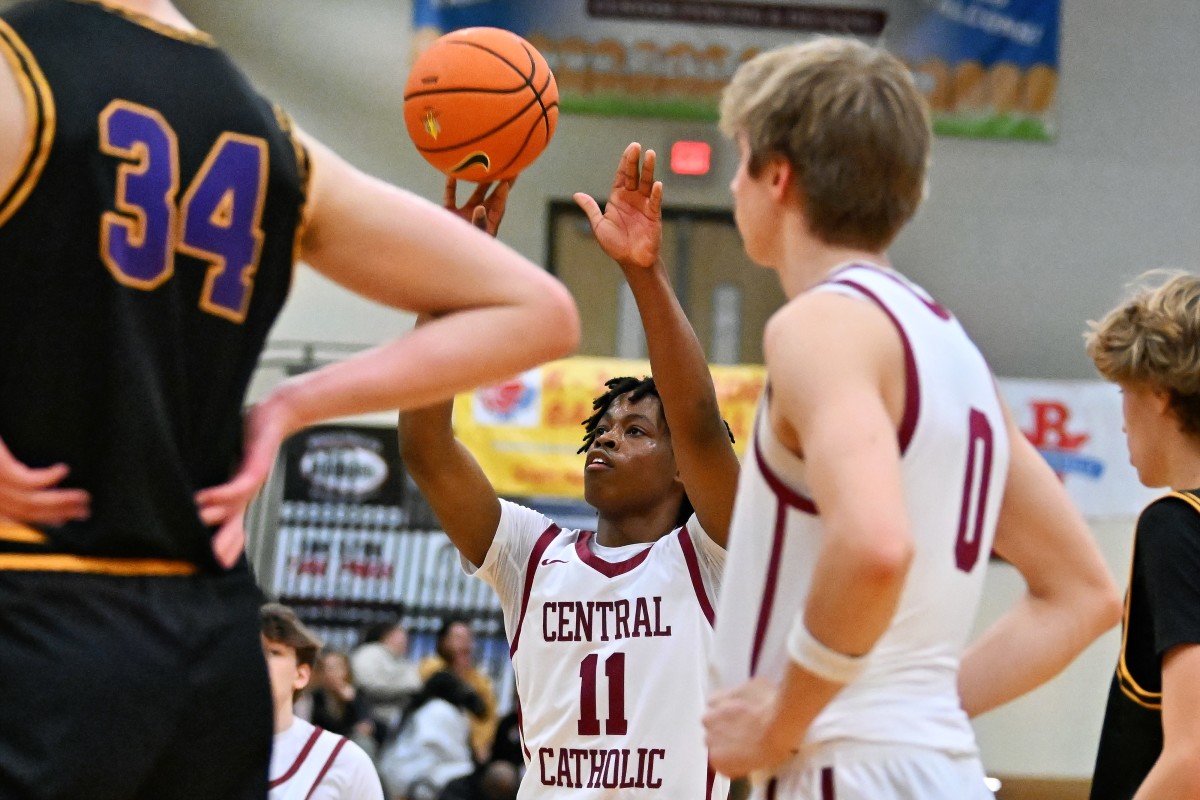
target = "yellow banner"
x: 524, y: 432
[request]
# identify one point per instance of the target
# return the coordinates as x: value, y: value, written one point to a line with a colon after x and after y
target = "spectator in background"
x: 506, y: 746
x: 455, y: 651
x: 385, y: 674
x: 432, y: 746
x: 500, y: 776
x: 306, y: 761
x: 337, y: 704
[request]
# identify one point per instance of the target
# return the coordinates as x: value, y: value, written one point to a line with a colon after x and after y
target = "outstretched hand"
x: 483, y: 210
x: 629, y: 230
x: 267, y: 425
x: 28, y: 495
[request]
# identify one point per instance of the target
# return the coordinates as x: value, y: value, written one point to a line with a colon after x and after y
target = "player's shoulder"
x: 1171, y: 515
x: 818, y: 311
x: 1173, y: 506
x: 818, y: 333
x: 532, y: 521
x: 354, y: 756
x: 359, y: 779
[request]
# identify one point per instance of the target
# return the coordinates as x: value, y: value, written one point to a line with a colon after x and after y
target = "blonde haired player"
x: 882, y: 472
x: 152, y: 208
x: 1149, y: 345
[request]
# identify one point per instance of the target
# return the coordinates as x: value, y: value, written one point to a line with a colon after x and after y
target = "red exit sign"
x: 691, y: 158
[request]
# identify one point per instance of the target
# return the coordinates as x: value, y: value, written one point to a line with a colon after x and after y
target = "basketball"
x: 480, y: 104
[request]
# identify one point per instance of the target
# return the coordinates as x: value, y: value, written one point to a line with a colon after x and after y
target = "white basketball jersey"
x: 610, y: 649
x: 955, y: 450
x: 308, y: 763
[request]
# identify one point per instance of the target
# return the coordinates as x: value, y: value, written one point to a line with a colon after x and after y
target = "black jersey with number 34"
x: 146, y: 247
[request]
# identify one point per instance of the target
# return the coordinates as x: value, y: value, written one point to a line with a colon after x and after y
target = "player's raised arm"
x: 630, y: 232
x: 1070, y: 597
x: 448, y: 476
x: 497, y: 313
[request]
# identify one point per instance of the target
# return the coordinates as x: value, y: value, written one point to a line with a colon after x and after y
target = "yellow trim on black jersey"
x: 146, y: 21
x: 1129, y: 685
x: 1187, y: 498
x: 63, y: 562
x: 39, y: 103
x: 16, y: 532
x: 304, y: 170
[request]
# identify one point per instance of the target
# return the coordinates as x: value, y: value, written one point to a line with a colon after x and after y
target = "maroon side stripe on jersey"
x: 521, y: 731
x: 337, y: 748
x: 708, y: 784
x: 768, y: 598
x: 784, y: 493
x: 609, y: 569
x: 827, y: 792
x: 304, y: 751
x: 548, y: 536
x: 912, y: 386
x: 771, y: 787
x: 693, y: 565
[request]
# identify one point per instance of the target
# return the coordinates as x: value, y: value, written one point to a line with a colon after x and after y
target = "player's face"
x: 630, y: 463
x: 286, y: 673
x: 1146, y: 411
x: 333, y: 670
x: 396, y: 640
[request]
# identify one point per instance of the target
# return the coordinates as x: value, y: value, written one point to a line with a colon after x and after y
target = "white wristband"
x: 821, y: 661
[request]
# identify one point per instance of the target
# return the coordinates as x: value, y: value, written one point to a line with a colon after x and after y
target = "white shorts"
x: 856, y: 771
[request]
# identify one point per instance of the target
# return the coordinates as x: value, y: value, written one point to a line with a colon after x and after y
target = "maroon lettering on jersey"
x: 608, y: 768
x: 581, y: 621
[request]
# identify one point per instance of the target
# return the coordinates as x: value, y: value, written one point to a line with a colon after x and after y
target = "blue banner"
x: 989, y: 68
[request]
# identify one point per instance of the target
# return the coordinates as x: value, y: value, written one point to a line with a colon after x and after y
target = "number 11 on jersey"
x: 614, y: 671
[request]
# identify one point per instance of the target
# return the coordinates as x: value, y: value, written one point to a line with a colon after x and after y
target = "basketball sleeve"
x: 303, y: 167
x: 1168, y: 544
x: 507, y: 560
x: 710, y: 555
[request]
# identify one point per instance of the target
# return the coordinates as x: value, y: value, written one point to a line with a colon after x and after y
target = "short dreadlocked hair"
x: 636, y: 388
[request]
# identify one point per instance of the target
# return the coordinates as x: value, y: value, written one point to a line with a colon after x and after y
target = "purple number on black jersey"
x: 218, y: 219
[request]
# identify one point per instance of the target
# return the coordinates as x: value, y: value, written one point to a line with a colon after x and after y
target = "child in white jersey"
x: 882, y: 471
x: 307, y: 763
x: 610, y: 630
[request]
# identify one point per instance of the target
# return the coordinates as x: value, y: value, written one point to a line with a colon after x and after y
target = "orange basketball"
x: 481, y: 104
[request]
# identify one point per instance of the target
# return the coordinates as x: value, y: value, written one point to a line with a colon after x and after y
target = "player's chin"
x: 599, y: 487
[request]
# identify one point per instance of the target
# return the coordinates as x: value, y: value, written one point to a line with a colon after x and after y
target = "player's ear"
x: 303, y: 676
x: 779, y: 172
x: 1162, y: 399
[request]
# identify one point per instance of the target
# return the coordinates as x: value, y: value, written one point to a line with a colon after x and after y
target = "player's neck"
x: 806, y: 261
x: 1184, y: 463
x: 157, y: 10
x: 284, y: 717
x: 644, y: 528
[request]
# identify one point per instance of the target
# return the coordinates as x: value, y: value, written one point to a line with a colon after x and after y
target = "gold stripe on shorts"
x: 63, y: 562
x: 16, y: 532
